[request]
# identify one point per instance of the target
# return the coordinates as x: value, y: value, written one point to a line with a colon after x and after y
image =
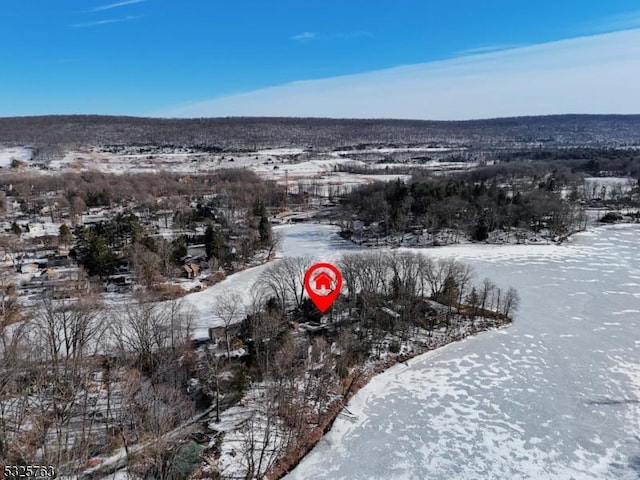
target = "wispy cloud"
x: 306, y: 36
x: 486, y: 49
x: 614, y: 23
x: 109, y: 6
x: 96, y: 23
x: 595, y: 74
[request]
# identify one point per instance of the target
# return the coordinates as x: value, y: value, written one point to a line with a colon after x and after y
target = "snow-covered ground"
x: 278, y: 164
x: 610, y: 181
x: 396, y: 150
x: 321, y: 242
x: 320, y: 176
x: 316, y: 172
x: 555, y: 396
x: 608, y: 187
x: 8, y: 154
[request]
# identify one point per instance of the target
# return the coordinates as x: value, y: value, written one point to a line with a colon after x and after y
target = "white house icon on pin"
x: 322, y: 282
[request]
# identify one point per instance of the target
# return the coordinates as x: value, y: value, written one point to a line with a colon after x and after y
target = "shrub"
x: 186, y: 460
x: 611, y: 217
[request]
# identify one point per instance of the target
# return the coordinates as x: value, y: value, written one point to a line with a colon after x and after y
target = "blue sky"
x: 212, y: 58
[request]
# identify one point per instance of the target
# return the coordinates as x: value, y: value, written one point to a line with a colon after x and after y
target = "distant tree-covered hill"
x: 53, y: 134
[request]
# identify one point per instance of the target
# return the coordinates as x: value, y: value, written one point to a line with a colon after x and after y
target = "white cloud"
x: 331, y: 36
x: 596, y: 74
x: 96, y: 23
x: 109, y: 6
x: 304, y: 36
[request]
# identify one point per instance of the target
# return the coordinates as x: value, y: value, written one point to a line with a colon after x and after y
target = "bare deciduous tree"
x: 264, y: 438
x: 228, y: 308
x: 511, y: 302
x: 69, y: 334
x: 147, y: 328
x: 284, y: 280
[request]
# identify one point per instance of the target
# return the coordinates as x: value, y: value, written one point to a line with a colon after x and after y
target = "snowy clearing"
x: 7, y: 155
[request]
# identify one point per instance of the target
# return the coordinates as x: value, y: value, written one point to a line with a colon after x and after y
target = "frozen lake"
x: 555, y: 396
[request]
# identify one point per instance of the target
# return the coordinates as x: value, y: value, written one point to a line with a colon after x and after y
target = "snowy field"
x: 608, y: 187
x: 8, y: 154
x: 555, y: 396
x: 273, y: 162
x: 315, y: 172
x: 318, y: 175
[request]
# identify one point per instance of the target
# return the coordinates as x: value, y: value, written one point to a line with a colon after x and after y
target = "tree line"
x: 473, y: 208
x: 73, y: 192
x: 53, y: 135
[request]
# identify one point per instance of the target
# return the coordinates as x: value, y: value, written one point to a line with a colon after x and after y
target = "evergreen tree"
x: 259, y: 209
x: 15, y: 228
x: 264, y: 229
x: 214, y: 243
x: 473, y: 300
x: 65, y: 234
x: 179, y: 250
x: 95, y: 255
x: 449, y: 292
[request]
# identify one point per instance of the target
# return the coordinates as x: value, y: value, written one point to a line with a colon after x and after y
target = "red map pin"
x: 323, y: 282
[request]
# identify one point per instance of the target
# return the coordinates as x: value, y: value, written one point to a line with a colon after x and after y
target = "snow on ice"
x: 555, y: 396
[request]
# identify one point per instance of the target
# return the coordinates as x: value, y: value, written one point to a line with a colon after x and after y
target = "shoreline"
x: 534, y: 239
x: 291, y: 460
